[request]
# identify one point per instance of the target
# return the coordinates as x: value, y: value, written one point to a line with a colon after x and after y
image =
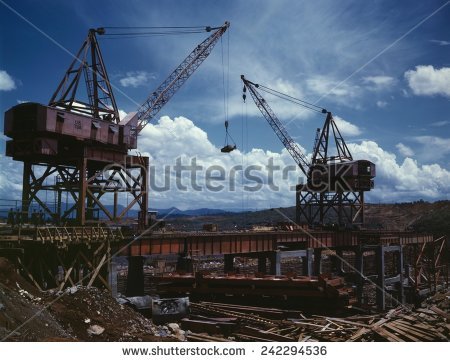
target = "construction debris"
x: 229, y: 322
x: 89, y: 314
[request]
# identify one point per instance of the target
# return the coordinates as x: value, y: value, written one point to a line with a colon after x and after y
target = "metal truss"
x: 78, y: 194
x: 319, y: 208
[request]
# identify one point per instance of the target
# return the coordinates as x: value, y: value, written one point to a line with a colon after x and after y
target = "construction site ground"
x: 91, y: 314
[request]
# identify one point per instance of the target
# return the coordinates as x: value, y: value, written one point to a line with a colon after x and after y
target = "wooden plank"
x: 343, y: 321
x: 440, y: 312
x: 412, y: 332
x: 274, y: 337
x: 426, y: 311
x: 387, y: 335
x: 419, y: 327
x: 379, y: 323
x: 358, y: 334
x: 402, y: 331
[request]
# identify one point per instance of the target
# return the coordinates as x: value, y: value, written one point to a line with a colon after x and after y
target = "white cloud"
x: 378, y: 82
x: 438, y: 145
x: 136, y: 79
x: 6, y: 81
x: 404, y: 150
x: 323, y: 85
x: 440, y: 123
x: 441, y: 42
x: 382, y: 104
x: 428, y: 81
x: 170, y: 139
x: 402, y: 181
x: 395, y: 181
x: 19, y: 101
x: 347, y: 128
x: 10, y: 178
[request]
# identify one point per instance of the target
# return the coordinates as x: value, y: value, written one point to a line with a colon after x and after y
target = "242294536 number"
x: 294, y: 350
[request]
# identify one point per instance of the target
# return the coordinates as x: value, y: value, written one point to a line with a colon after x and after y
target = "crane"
x: 333, y: 182
x: 82, y: 145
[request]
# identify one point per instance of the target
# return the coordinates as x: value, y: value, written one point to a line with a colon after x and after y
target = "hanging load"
x: 228, y: 147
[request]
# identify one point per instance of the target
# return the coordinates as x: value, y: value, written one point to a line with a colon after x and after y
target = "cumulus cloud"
x: 179, y: 140
x: 346, y: 128
x: 136, y: 79
x: 378, y: 82
x: 404, y: 150
x: 10, y: 178
x: 396, y: 181
x: 428, y: 81
x: 189, y: 145
x: 6, y: 81
x: 404, y: 181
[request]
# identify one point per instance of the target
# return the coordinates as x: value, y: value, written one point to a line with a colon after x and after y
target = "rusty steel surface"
x: 203, y: 244
x: 249, y: 242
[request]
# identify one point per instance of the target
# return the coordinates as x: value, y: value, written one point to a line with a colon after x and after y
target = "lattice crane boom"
x: 291, y: 146
x: 176, y: 79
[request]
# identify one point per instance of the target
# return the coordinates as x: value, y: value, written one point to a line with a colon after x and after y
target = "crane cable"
x: 311, y: 106
x: 226, y: 87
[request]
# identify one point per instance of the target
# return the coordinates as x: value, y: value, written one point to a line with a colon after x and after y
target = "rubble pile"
x: 77, y: 313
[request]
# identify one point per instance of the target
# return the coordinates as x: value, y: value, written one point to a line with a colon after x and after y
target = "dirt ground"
x: 76, y: 314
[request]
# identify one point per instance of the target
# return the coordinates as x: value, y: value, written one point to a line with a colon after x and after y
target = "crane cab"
x: 349, y: 176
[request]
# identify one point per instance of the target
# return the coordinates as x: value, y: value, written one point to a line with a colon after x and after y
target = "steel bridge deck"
x: 203, y: 244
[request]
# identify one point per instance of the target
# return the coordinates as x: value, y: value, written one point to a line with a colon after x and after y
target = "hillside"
x: 419, y: 216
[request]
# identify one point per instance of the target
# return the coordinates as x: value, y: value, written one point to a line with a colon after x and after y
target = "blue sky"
x: 393, y: 107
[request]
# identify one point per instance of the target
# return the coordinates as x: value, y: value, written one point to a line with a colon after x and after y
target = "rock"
x: 87, y: 321
x: 173, y: 327
x: 2, y: 307
x: 73, y: 289
x: 180, y: 335
x: 95, y: 330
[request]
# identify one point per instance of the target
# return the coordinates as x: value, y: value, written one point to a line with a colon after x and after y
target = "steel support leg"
x: 338, y: 264
x: 317, y: 261
x: 262, y: 264
x: 275, y: 263
x: 112, y: 278
x: 308, y: 262
x: 381, y: 290
x: 359, y: 266
x: 401, y: 292
x: 135, y: 278
x: 228, y: 263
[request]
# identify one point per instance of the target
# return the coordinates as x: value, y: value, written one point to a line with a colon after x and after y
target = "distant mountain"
x: 174, y: 212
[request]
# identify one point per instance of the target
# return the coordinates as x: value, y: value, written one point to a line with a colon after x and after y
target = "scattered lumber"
x: 427, y: 323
